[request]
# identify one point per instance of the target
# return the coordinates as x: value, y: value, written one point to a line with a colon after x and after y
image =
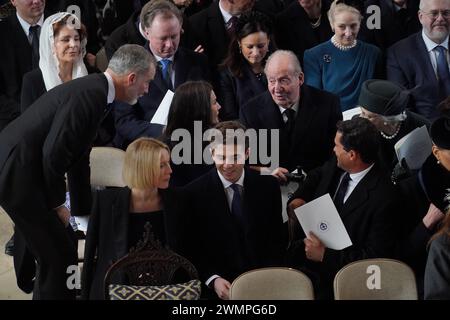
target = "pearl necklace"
x: 341, y: 46
x: 392, y: 136
x: 314, y: 25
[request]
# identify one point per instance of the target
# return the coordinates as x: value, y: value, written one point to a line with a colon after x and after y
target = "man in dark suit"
x: 48, y: 140
x: 161, y: 21
x: 305, y: 117
x: 398, y: 20
x: 132, y: 31
x: 302, y: 25
x: 19, y: 53
x: 238, y: 225
x: 426, y: 71
x: 214, y: 25
x: 364, y: 197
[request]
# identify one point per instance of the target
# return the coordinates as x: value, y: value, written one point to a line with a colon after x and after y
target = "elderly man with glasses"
x: 421, y: 61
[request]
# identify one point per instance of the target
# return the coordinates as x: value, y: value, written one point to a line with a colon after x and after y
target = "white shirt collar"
x: 111, y: 89
x: 431, y: 44
x: 226, y: 15
x: 357, y: 177
x: 26, y: 26
x: 227, y: 184
x: 294, y: 107
x: 158, y: 58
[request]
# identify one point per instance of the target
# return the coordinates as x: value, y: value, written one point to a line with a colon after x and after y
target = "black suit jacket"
x: 15, y: 57
x: 293, y: 29
x: 312, y: 138
x: 107, y: 236
x: 209, y: 28
x: 369, y: 216
x: 234, y: 92
x: 214, y: 242
x: 132, y: 122
x: 414, y: 71
x: 395, y: 25
x: 45, y: 142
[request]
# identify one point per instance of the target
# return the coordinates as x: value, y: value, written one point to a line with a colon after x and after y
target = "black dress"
x: 137, y: 222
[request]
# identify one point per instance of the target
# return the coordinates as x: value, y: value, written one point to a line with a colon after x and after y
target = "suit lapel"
x: 423, y: 55
x: 303, y: 119
x: 181, y: 74
x: 120, y: 217
x: 361, y: 193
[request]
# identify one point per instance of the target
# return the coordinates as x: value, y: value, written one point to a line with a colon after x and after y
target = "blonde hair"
x: 141, y: 165
x: 341, y: 7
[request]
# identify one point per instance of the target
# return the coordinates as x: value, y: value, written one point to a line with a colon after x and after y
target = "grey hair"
x: 288, y: 55
x: 159, y: 7
x: 131, y: 58
x: 336, y: 8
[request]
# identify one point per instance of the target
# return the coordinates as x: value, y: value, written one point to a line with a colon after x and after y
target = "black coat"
x: 36, y: 150
x: 369, y: 216
x: 415, y: 71
x: 395, y: 25
x: 107, y: 237
x: 133, y: 122
x: 214, y: 241
x: 293, y: 29
x: 234, y: 91
x: 209, y: 28
x: 428, y: 186
x: 15, y: 57
x: 312, y: 138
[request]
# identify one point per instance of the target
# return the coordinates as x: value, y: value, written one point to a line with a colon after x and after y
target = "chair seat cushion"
x: 182, y: 291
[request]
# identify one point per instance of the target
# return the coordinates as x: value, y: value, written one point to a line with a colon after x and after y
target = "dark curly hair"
x: 247, y: 23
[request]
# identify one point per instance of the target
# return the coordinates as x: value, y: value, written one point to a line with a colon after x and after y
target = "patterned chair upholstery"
x: 150, y: 272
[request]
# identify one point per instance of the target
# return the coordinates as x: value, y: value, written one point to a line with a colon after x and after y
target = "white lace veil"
x: 48, y: 62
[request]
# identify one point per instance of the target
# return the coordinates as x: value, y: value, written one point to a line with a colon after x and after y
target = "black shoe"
x: 9, y: 247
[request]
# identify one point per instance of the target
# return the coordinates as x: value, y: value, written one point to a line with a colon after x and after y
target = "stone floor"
x: 8, y: 286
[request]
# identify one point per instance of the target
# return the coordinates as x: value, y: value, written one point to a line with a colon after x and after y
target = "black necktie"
x: 341, y: 191
x: 443, y: 73
x: 236, y: 204
x: 289, y: 124
x: 231, y: 25
x: 34, y: 38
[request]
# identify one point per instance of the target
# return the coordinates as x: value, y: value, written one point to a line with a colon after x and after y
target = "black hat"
x: 383, y: 97
x: 440, y: 131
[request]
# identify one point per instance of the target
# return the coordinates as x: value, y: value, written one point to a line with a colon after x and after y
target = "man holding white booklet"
x: 363, y: 196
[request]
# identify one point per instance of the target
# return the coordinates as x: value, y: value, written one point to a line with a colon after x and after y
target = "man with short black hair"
x: 364, y: 197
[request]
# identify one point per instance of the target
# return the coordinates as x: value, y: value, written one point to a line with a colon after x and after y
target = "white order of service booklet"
x: 160, y: 116
x: 321, y: 217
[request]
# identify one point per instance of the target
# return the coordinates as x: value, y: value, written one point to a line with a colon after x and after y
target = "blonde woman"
x: 119, y: 214
x: 343, y: 63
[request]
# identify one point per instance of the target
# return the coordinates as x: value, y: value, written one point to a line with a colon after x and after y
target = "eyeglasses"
x: 434, y: 14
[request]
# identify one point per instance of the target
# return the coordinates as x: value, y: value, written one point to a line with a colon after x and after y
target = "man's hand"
x: 314, y: 248
x: 63, y: 214
x: 222, y: 288
x: 199, y: 49
x: 297, y: 202
x: 433, y: 216
x: 279, y: 174
x: 90, y: 59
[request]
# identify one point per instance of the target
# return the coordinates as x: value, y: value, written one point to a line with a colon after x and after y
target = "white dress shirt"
x: 355, y: 178
x: 26, y: 26
x: 111, y: 89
